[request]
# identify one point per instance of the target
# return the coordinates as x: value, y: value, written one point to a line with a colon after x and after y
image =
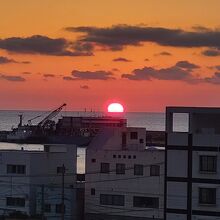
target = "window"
x: 119, y: 156
x: 138, y: 170
x: 134, y: 156
x: 104, y: 168
x: 59, y: 208
x: 129, y: 156
x: 92, y: 191
x: 134, y: 135
x: 15, y: 201
x: 120, y: 168
x: 59, y: 169
x: 47, y: 207
x: 145, y: 202
x: 154, y: 170
x: 93, y: 160
x: 107, y: 199
x: 114, y: 156
x: 141, y: 141
x: 16, y: 169
x: 207, y: 196
x: 208, y: 163
x: 124, y: 156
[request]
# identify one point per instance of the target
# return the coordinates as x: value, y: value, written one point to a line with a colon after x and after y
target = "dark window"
x: 114, y: 156
x: 117, y: 200
x: 145, y: 202
x: 141, y: 141
x: 15, y: 201
x: 124, y: 156
x: 104, y: 168
x: 59, y: 208
x: 119, y: 156
x: 208, y: 163
x: 129, y: 156
x: 47, y: 207
x: 59, y: 169
x: 138, y: 170
x: 16, y: 169
x: 207, y: 196
x: 93, y: 160
x: 134, y: 135
x: 134, y: 156
x: 92, y: 191
x: 155, y: 170
x: 120, y: 168
x: 124, y: 140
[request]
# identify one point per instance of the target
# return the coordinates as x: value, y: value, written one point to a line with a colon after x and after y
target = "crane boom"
x: 54, y: 113
x: 30, y: 120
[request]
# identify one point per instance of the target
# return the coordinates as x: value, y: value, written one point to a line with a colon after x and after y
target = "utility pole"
x: 42, y: 202
x: 62, y: 204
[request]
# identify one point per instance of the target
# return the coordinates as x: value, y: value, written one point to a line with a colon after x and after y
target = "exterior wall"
x: 41, y: 169
x: 183, y: 177
x: 126, y: 184
x: 111, y: 139
x: 53, y: 197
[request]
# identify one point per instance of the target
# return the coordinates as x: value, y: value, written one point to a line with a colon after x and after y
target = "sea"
x: 151, y: 121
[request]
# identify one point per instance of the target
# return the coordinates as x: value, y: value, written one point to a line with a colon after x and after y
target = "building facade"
x: 23, y: 172
x: 192, y: 164
x: 124, y: 180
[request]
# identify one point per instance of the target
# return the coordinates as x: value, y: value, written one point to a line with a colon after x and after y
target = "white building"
x: 124, y: 180
x: 192, y: 165
x: 23, y: 172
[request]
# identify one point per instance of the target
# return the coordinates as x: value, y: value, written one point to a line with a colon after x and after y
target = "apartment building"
x: 192, y: 164
x: 124, y: 179
x: 23, y: 172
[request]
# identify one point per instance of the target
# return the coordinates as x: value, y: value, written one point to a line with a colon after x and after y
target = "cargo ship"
x: 78, y: 130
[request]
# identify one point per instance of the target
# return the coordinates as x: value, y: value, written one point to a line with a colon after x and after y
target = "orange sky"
x: 45, y: 88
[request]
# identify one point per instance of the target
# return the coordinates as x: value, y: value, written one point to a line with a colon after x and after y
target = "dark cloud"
x: 163, y: 53
x: 92, y: 75
x: 4, y: 60
x: 184, y: 64
x: 13, y: 78
x: 27, y: 73
x: 170, y: 73
x: 211, y: 52
x: 48, y: 75
x: 115, y: 69
x: 121, y: 59
x: 68, y: 78
x: 119, y: 36
x: 215, y: 79
x: 38, y: 44
x: 83, y: 47
x: 26, y: 62
x: 201, y: 28
x: 217, y: 67
x: 84, y: 87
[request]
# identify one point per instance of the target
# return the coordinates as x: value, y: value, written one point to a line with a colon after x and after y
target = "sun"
x: 115, y: 107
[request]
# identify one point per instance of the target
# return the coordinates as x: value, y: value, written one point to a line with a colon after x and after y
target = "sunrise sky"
x: 146, y: 54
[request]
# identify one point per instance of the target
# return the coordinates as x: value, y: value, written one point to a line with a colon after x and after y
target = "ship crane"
x: 30, y: 120
x: 47, y: 120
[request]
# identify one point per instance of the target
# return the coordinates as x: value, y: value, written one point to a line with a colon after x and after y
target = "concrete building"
x: 23, y: 172
x: 124, y: 180
x: 192, y: 165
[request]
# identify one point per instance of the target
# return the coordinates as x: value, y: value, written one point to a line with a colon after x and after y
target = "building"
x: 192, y: 164
x: 51, y: 198
x: 23, y: 172
x: 124, y: 180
